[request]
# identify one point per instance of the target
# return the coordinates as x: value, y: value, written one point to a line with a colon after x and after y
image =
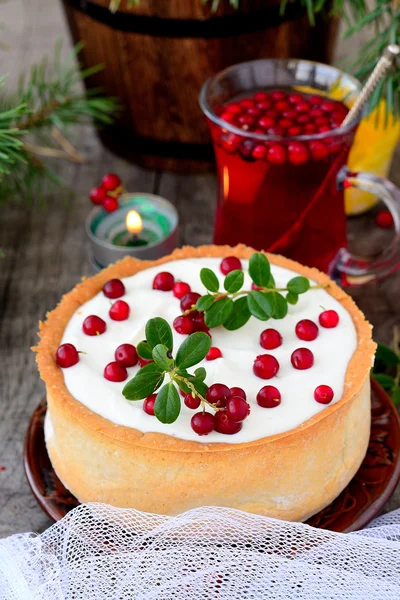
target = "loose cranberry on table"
x: 323, y: 394
x: 164, y: 281
x: 114, y: 289
x: 110, y: 204
x: 126, y: 355
x: 67, y: 356
x: 192, y: 402
x: 183, y: 325
x: 238, y: 409
x: 306, y: 330
x: 238, y: 391
x: 270, y: 339
x: 110, y: 182
x: 269, y: 397
x: 180, y: 289
x: 148, y: 404
x: 189, y: 300
x: 94, y: 325
x: 218, y: 394
x: 119, y: 311
x: 302, y: 359
x: 328, y: 319
x: 230, y: 263
x: 202, y: 423
x: 265, y: 366
x: 97, y: 195
x: 115, y: 372
x: 223, y: 423
x: 213, y: 353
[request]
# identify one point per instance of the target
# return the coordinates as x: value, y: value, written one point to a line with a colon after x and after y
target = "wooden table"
x: 46, y: 254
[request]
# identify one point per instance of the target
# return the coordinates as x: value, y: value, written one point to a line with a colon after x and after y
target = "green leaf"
x: 198, y: 383
x: 219, y: 312
x: 193, y: 350
x: 260, y: 305
x: 145, y: 382
x: 158, y: 331
x: 239, y: 315
x: 292, y: 298
x: 205, y: 302
x: 163, y: 357
x: 209, y: 280
x: 234, y: 281
x: 396, y: 397
x: 144, y: 350
x: 298, y: 285
x: 386, y: 356
x: 260, y: 269
x: 386, y: 381
x: 281, y: 305
x: 168, y: 404
x: 271, y: 282
x: 200, y: 373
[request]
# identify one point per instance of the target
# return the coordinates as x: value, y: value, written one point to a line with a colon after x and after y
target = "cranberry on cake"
x: 184, y: 395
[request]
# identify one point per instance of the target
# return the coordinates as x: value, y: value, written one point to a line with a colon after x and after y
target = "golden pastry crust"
x: 98, y: 460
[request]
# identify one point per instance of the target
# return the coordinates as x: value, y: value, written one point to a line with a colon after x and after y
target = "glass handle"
x: 352, y: 270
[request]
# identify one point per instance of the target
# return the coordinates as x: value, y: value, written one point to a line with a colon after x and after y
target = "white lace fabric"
x: 98, y: 552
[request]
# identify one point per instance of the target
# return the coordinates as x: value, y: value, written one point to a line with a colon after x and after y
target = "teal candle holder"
x: 110, y: 239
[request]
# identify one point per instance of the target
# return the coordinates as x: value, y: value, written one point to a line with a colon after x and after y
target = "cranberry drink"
x: 280, y: 194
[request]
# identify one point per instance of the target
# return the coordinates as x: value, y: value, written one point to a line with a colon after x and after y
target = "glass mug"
x: 292, y: 209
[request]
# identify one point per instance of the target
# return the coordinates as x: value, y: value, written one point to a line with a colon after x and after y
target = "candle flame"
x: 134, y: 223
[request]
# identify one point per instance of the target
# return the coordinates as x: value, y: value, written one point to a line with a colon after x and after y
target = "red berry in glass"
x: 218, y: 394
x: 192, y: 402
x: 306, y: 330
x: 180, y: 289
x: 202, y: 423
x: 110, y: 204
x: 230, y: 263
x: 67, y: 356
x: 126, y: 355
x: 189, y: 300
x: 223, y: 424
x: 94, y: 325
x: 119, y: 311
x: 270, y: 339
x: 302, y: 359
x: 213, y: 353
x: 238, y: 409
x: 183, y: 325
x: 384, y: 219
x: 323, y: 394
x: 328, y: 319
x: 114, y: 289
x: 114, y: 371
x: 238, y: 391
x: 97, y: 195
x: 163, y: 281
x: 148, y: 404
x: 110, y: 182
x: 265, y: 366
x: 268, y: 397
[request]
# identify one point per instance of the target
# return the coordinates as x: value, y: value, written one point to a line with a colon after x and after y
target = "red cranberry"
x: 306, y: 330
x: 302, y: 358
x: 302, y: 107
x: 246, y: 150
x: 276, y: 154
x: 324, y: 129
x: 164, y: 281
x: 198, y: 322
x: 260, y: 96
x: 295, y: 98
x: 110, y: 182
x: 230, y: 263
x: 143, y: 361
x: 223, y: 423
x: 202, y: 423
x: 114, y: 289
x: 230, y: 142
x: 328, y: 319
x: 255, y: 287
x: 67, y: 356
x: 265, y: 366
x: 297, y: 153
x: 237, y: 391
x: 180, y: 289
x: 213, y: 353
x: 321, y: 121
x: 259, y: 151
x: 282, y: 105
x: 114, y: 371
x: 126, y: 355
x: 328, y: 106
x: 254, y: 111
x: 294, y: 131
x: 269, y: 397
x: 246, y: 120
x: 278, y: 95
x: 119, y: 311
x: 290, y: 114
x: 265, y: 122
x: 318, y: 150
x: 270, y: 339
x: 276, y: 130
x: 93, y: 325
x: 218, y: 394
x: 110, y: 204
x: 384, y: 219
x: 316, y: 100
x: 323, y: 394
x: 189, y: 300
x: 192, y: 401
x: 228, y: 117
x: 97, y: 195
x: 183, y: 325
x: 272, y: 113
x: 264, y: 104
x: 285, y: 123
x: 148, y: 404
x: 235, y: 109
x: 316, y: 112
x: 237, y: 409
x: 303, y: 118
x: 309, y: 128
x: 246, y: 103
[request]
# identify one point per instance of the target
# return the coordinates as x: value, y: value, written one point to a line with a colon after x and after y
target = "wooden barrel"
x: 157, y: 56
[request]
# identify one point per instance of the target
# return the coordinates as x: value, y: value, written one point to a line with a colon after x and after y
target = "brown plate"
x: 361, y: 501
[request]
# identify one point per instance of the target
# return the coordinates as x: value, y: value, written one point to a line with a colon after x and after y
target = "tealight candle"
x: 144, y: 226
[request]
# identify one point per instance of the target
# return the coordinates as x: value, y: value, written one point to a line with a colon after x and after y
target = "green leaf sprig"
x: 386, y: 369
x: 158, y: 347
x: 232, y: 307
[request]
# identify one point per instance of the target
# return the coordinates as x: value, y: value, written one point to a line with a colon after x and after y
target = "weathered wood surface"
x: 46, y: 254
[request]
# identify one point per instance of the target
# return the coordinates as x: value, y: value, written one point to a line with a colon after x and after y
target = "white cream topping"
x: 332, y: 350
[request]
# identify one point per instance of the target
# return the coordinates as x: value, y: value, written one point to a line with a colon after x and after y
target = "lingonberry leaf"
x: 385, y: 357
x: 386, y: 381
x: 219, y: 312
x: 271, y: 282
x: 145, y: 382
x: 292, y: 298
x: 168, y: 404
x: 260, y: 305
x: 260, y: 269
x: 193, y: 350
x: 281, y: 305
x: 144, y: 350
x: 197, y: 382
x: 234, y: 281
x: 298, y: 285
x: 163, y: 357
x: 396, y: 397
x: 209, y: 280
x: 205, y: 302
x: 200, y: 373
x: 239, y: 315
x: 158, y: 331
